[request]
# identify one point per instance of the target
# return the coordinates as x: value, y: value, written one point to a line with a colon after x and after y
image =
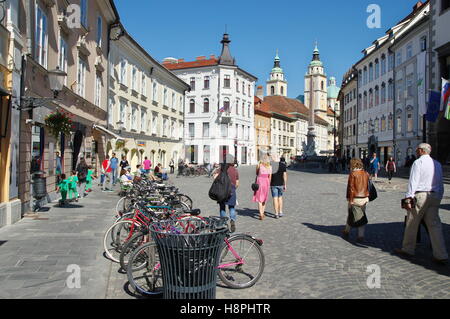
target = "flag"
x: 421, y: 93
x: 434, y: 102
x: 445, y: 94
x: 222, y: 109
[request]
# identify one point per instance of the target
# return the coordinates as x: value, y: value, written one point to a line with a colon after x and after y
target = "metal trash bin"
x: 189, y: 256
x: 39, y: 185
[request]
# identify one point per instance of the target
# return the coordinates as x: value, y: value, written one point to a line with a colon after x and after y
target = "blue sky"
x: 187, y: 29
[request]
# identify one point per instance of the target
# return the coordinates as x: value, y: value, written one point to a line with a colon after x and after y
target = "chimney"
x: 260, y: 92
x: 201, y: 58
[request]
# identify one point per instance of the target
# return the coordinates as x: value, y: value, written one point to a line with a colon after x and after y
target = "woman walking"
x: 82, y: 171
x: 264, y: 177
x: 391, y: 168
x: 357, y: 197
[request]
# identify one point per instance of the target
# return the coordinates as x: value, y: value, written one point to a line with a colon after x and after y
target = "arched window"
x: 282, y: 90
x: 365, y: 75
x: 192, y: 106
x: 365, y: 101
x: 377, y: 95
x: 321, y: 85
x: 206, y: 82
x: 370, y: 98
x: 383, y: 64
x: 206, y: 106
x: 370, y: 72
x: 383, y: 93
x: 272, y: 90
x: 377, y: 69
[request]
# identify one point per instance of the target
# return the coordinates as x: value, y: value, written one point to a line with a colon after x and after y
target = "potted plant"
x: 59, y: 122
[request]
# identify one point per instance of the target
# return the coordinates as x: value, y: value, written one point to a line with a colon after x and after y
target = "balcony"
x: 62, y: 21
x: 225, y: 118
x: 82, y: 46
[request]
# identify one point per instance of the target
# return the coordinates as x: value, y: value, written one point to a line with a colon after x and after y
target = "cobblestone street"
x: 305, y: 255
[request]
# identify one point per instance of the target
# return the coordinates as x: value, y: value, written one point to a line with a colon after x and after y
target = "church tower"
x: 316, y: 85
x: 276, y: 85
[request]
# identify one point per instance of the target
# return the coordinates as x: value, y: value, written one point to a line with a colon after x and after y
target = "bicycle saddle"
x: 194, y: 212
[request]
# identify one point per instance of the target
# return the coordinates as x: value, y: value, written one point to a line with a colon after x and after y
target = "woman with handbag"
x: 264, y: 176
x: 357, y: 197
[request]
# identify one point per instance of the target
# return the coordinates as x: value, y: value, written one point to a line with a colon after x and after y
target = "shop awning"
x: 105, y: 130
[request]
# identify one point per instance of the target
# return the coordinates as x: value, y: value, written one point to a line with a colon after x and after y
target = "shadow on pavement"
x: 249, y: 212
x: 68, y: 206
x: 395, y: 231
x: 126, y: 288
x: 445, y: 206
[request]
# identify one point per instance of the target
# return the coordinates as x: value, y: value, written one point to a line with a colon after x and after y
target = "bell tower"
x: 316, y: 85
x: 277, y: 84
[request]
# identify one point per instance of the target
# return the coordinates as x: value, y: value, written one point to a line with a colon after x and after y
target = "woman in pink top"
x: 264, y: 173
x: 147, y: 165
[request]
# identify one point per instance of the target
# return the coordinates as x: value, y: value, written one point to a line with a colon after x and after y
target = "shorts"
x: 277, y: 191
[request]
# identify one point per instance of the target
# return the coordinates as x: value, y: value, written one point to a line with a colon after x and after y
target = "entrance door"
x: 223, y: 151
x: 77, y: 142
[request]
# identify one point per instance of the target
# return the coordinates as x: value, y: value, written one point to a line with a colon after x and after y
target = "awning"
x: 105, y: 130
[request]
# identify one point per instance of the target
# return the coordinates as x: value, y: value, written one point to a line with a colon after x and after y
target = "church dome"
x: 316, y: 63
x: 333, y: 90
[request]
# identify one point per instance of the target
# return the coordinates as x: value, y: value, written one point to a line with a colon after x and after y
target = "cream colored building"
x: 145, y: 106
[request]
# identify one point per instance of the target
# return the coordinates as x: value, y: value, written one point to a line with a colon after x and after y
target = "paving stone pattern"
x: 305, y: 255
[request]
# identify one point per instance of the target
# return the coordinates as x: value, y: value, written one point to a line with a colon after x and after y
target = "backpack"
x: 221, y: 190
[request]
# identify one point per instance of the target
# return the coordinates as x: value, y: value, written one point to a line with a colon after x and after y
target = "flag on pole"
x: 421, y: 93
x: 434, y: 103
x: 445, y: 94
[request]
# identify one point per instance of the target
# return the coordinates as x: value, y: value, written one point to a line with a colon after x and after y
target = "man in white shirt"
x: 426, y: 189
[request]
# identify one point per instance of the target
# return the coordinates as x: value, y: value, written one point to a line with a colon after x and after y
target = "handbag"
x: 372, y: 191
x: 255, y: 186
x: 357, y: 216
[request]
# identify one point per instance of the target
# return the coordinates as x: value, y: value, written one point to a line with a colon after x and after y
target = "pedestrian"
x: 264, y: 176
x: 357, y: 197
x: 374, y: 166
x: 114, y: 161
x: 158, y: 170
x: 172, y: 166
x: 126, y: 178
x: 390, y: 168
x: 124, y: 163
x: 63, y: 187
x: 233, y: 174
x: 106, y: 170
x: 73, y: 183
x: 82, y: 170
x: 89, y: 179
x: 278, y: 186
x: 147, y: 165
x: 58, y: 167
x: 423, y: 198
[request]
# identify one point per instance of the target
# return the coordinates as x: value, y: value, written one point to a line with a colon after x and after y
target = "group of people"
x: 422, y: 201
x: 77, y: 185
x: 270, y: 176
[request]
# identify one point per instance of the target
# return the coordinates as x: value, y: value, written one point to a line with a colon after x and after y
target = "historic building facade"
x: 262, y: 128
x: 348, y: 98
x: 219, y: 109
x: 145, y: 107
x: 82, y: 53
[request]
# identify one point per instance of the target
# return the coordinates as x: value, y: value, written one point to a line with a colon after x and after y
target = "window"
x: 399, y: 124
x: 84, y: 16
x: 155, y: 91
x: 205, y: 129
x: 390, y: 122
x: 165, y: 127
x: 98, y: 89
x: 243, y: 109
x: 282, y: 90
x: 409, y: 85
x: 99, y: 31
x: 237, y: 85
x: 206, y: 82
x: 391, y: 62
x: 365, y: 76
x: 173, y: 104
x: 360, y: 77
x: 123, y: 71
x: 377, y: 95
x: 249, y: 90
x: 383, y: 124
x: 360, y: 103
x: 272, y: 90
x: 143, y: 121
x: 409, y: 51
x: 321, y: 85
x: 237, y: 107
x: 134, y: 78
x: 192, y: 106
x: 383, y: 93
x: 226, y: 82
x: 81, y: 77
x: 123, y: 114
x: 165, y: 97
x: 377, y: 69
x: 383, y: 64
x: 226, y: 105
x: 62, y: 62
x: 391, y: 90
x: 243, y: 87
x: 377, y: 125
x: 249, y: 111
x: 365, y: 100
x: 41, y: 37
x: 423, y: 43
x: 134, y: 118
x: 224, y: 130
x: 370, y: 98
x: 192, y: 84
x: 370, y: 72
x: 191, y: 130
x: 409, y: 122
x: 445, y: 4
x: 399, y: 90
x: 398, y: 58
x: 144, y: 84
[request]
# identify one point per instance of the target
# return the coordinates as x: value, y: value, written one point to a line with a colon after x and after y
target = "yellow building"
x: 262, y: 128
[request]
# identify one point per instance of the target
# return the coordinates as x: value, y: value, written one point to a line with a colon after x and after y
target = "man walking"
x: 425, y: 192
x: 106, y: 170
x: 278, y: 185
x: 374, y: 166
x: 114, y: 165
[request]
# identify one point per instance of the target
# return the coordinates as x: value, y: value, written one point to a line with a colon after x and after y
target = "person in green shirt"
x: 89, y: 178
x: 73, y: 181
x: 63, y: 187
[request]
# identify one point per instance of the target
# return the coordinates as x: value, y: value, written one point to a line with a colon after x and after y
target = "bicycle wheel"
x: 138, y: 239
x: 116, y: 236
x: 144, y: 270
x: 185, y: 199
x: 245, y: 275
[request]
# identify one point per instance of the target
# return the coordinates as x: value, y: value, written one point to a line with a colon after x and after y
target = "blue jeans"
x: 114, y: 175
x: 223, y: 212
x: 277, y: 191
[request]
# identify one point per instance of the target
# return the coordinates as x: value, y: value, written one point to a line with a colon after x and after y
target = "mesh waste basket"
x: 189, y: 251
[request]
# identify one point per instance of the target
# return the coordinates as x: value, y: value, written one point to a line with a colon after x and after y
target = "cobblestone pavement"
x: 305, y: 255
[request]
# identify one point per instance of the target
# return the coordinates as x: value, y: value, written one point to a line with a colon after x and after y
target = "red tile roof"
x: 191, y: 64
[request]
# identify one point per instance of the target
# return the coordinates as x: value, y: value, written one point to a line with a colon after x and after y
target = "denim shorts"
x: 277, y: 191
